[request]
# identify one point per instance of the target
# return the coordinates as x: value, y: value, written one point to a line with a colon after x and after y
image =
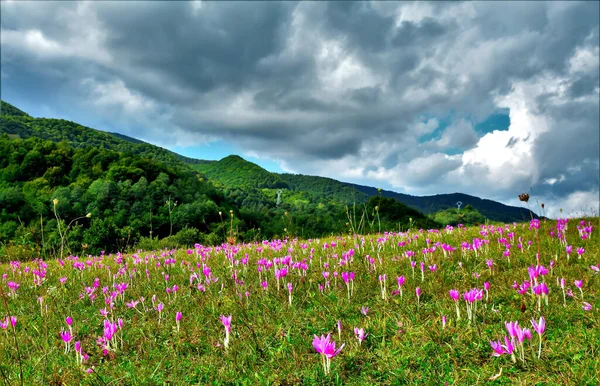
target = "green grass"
x: 271, y: 341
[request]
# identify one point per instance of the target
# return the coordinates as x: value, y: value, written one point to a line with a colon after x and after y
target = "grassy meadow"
x: 160, y: 317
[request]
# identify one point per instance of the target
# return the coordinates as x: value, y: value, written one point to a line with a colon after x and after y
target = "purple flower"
x: 454, y: 294
x: 512, y: 328
x: 360, y: 334
x: 326, y: 347
x: 226, y: 320
x: 401, y: 280
x: 539, y: 327
x: 497, y: 347
x: 66, y: 336
x: 508, y: 347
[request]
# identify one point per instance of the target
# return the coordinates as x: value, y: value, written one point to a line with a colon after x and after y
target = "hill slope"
x: 429, y: 204
x: 246, y: 178
x: 234, y: 171
x: 18, y: 123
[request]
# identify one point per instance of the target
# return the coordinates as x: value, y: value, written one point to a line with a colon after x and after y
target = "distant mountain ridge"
x: 429, y: 204
x: 233, y: 171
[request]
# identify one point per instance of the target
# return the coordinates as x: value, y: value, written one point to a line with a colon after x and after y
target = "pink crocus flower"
x: 418, y: 292
x: 497, y: 347
x: 364, y: 310
x: 12, y: 321
x: 132, y: 303
x: 587, y: 306
x: 226, y: 320
x: 401, y: 280
x: 512, y: 328
x: 326, y: 347
x: 290, y: 289
x: 579, y: 285
x: 66, y: 336
x: 455, y: 295
x: 69, y: 321
x: 360, y: 334
x: 178, y: 316
x: 159, y: 308
x: 539, y: 327
x: 509, y: 348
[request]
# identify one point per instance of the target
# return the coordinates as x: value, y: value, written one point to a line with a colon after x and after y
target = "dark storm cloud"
x: 324, y: 87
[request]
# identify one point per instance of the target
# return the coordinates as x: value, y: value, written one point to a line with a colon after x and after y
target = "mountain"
x: 68, y: 188
x: 18, y: 123
x: 84, y: 167
x: 234, y: 171
x: 323, y: 188
x: 493, y: 210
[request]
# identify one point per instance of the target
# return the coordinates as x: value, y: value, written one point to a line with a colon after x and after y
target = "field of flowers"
x: 512, y: 304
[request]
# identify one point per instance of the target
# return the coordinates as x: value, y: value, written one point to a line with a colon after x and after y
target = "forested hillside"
x: 18, y: 123
x: 234, y: 171
x: 492, y: 210
x: 135, y: 192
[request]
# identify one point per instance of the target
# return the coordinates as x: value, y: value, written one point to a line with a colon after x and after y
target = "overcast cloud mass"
x: 385, y: 94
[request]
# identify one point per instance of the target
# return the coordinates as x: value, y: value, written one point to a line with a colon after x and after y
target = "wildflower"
x: 178, y: 316
x: 512, y: 328
x: 324, y: 346
x: 509, y: 348
x: 579, y: 285
x: 401, y: 280
x: 226, y: 320
x: 66, y: 337
x: 587, y: 306
x: 132, y: 303
x: 455, y: 295
x: 382, y: 280
x: 418, y: 292
x: 539, y: 327
x: 497, y: 347
x: 360, y: 334
x: 159, y: 308
x: 364, y: 310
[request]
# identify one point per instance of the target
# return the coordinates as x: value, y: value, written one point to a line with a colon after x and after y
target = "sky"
x: 486, y: 98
